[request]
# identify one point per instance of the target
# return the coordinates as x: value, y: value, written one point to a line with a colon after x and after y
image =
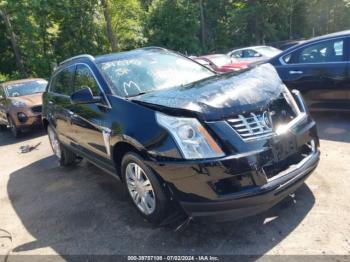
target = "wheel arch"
x: 45, y: 123
x: 120, y: 149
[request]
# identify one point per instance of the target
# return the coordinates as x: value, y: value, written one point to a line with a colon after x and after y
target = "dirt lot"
x: 81, y: 210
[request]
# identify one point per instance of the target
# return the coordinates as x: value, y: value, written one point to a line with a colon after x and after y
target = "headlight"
x: 300, y: 113
x: 17, y: 103
x: 291, y: 101
x: 193, y: 140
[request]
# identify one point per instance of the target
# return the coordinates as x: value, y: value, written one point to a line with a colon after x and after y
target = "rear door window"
x: 322, y: 52
x: 61, y: 83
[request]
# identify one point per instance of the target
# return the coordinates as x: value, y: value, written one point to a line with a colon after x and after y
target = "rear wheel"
x: 65, y: 156
x: 16, y: 132
x: 144, y: 188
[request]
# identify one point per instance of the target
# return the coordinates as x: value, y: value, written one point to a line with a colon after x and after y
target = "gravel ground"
x: 46, y: 209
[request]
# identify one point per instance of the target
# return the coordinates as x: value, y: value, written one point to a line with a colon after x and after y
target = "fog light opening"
x: 22, y: 117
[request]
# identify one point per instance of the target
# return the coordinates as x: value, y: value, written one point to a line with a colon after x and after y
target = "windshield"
x: 220, y: 60
x: 151, y: 71
x: 268, y: 51
x: 26, y: 88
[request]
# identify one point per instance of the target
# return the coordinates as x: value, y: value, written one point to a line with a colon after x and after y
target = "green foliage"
x: 174, y: 24
x: 48, y: 31
x: 127, y: 23
x: 4, y: 77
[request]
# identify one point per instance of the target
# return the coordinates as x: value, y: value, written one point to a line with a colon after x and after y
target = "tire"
x: 65, y: 156
x: 2, y: 127
x: 16, y: 132
x: 154, y: 214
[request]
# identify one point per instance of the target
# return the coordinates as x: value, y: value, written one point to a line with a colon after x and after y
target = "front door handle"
x: 295, y: 72
x: 50, y: 102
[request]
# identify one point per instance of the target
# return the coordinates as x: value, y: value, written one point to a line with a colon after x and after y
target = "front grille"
x: 263, y: 124
x: 252, y: 125
x: 36, y: 109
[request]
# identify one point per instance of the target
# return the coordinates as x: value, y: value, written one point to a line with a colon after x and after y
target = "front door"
x: 90, y: 122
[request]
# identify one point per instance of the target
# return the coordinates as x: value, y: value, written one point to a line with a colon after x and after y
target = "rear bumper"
x: 251, y: 202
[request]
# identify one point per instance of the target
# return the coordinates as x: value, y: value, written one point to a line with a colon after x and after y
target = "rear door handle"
x: 295, y: 72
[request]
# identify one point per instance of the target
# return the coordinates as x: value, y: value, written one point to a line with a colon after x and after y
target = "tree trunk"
x: 202, y: 23
x: 13, y: 38
x: 110, y: 34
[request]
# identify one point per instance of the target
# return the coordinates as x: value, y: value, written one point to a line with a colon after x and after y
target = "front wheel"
x: 64, y: 155
x: 144, y: 188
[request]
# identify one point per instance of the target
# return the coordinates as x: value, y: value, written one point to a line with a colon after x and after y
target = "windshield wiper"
x: 138, y: 94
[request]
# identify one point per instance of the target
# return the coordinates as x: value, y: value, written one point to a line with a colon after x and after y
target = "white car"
x: 253, y: 53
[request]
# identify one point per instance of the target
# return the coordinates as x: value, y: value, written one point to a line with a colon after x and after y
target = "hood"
x: 221, y: 96
x: 30, y: 100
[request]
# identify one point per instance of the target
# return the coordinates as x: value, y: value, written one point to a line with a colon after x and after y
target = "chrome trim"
x: 77, y: 57
x: 252, y: 127
x: 300, y: 99
x: 290, y: 126
x: 258, y: 129
x: 106, y: 133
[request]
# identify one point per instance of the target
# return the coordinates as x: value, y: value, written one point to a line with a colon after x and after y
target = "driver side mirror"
x: 84, y: 96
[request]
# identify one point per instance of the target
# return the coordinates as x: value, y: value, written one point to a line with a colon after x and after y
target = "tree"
x: 7, y: 21
x: 127, y: 23
x: 174, y: 24
x: 110, y: 34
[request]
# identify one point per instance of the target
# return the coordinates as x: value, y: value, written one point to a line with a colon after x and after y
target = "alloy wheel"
x: 140, y: 188
x: 55, y: 144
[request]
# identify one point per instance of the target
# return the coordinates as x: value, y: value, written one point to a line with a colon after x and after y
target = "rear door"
x: 90, y: 121
x: 320, y: 71
x: 59, y: 104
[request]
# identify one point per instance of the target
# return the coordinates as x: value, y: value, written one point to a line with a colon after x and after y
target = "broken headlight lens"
x: 191, y: 137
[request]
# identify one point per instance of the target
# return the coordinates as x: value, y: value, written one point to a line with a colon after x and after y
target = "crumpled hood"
x: 30, y: 100
x: 223, y: 95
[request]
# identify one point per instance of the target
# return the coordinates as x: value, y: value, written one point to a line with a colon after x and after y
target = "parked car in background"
x: 220, y: 63
x: 21, y: 103
x: 217, y: 146
x: 320, y: 69
x: 253, y: 53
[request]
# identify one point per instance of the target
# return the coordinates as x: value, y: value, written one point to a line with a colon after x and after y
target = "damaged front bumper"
x: 245, y: 183
x: 255, y: 200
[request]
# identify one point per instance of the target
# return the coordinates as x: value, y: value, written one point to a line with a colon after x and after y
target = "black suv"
x: 177, y: 134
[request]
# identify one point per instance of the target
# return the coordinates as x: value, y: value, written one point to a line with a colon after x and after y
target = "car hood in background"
x: 221, y: 96
x: 30, y: 100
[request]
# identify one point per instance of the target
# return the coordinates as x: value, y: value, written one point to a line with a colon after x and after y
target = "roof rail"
x: 76, y: 57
